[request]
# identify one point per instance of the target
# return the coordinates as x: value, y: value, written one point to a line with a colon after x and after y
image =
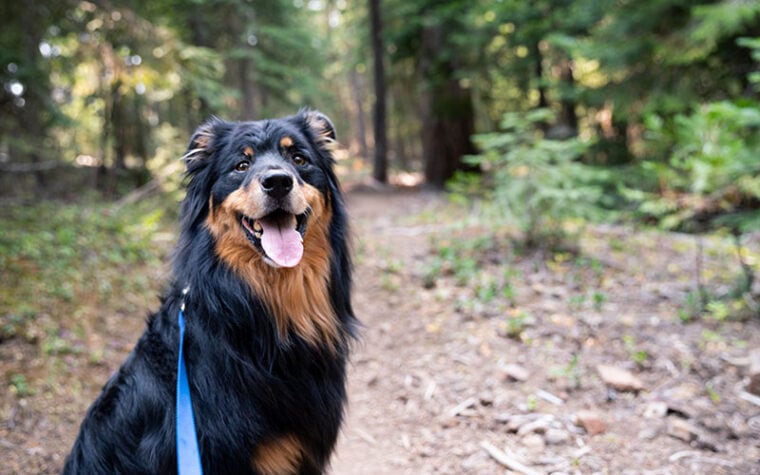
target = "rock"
x: 682, y: 430
x: 534, y: 441
x: 591, y: 422
x: 556, y: 437
x: 539, y: 426
x: 754, y: 373
x: 515, y: 372
x: 619, y: 379
x: 649, y: 433
x: 656, y: 410
x: 691, y: 434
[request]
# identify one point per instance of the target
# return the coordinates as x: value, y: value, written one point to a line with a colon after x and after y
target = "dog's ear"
x: 203, y: 140
x: 321, y: 128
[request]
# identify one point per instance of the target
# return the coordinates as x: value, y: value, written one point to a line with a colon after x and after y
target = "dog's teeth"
x: 257, y: 227
x: 257, y: 234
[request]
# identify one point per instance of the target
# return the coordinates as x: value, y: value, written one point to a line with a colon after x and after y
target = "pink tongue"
x: 281, y: 243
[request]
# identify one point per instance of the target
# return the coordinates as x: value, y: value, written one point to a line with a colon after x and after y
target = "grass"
x: 63, y: 264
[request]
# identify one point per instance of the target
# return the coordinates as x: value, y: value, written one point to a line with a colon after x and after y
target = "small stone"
x: 656, y: 410
x: 534, y: 441
x: 620, y: 379
x: 682, y: 430
x: 514, y: 372
x: 649, y: 433
x: 591, y: 422
x: 556, y: 437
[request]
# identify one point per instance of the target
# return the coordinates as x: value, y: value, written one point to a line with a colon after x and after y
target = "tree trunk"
x: 380, y: 170
x: 568, y: 116
x: 538, y: 70
x: 248, y: 107
x: 361, y: 127
x: 31, y: 121
x: 448, y: 116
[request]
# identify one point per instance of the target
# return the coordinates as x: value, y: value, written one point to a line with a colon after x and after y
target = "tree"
x: 380, y: 170
x: 435, y: 36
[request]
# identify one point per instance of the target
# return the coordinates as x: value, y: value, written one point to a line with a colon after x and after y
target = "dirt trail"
x: 377, y: 430
x: 435, y: 384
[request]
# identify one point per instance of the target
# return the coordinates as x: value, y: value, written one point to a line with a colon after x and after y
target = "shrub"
x: 530, y: 181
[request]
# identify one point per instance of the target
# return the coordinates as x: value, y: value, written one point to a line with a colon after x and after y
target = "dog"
x: 263, y: 272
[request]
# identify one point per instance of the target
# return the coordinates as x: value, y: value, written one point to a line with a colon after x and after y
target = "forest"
x: 576, y: 178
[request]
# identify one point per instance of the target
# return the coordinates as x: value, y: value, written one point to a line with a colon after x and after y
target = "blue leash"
x: 188, y: 455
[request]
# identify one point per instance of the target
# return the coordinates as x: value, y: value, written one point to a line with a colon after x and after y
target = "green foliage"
x: 754, y: 45
x: 20, y: 387
x: 531, y: 182
x: 57, y: 258
x: 515, y: 324
x: 637, y: 355
x: 461, y: 258
x: 712, y: 175
x: 570, y: 374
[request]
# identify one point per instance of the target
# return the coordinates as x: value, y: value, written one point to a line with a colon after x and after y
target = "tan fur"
x: 286, y: 142
x: 248, y: 151
x: 298, y: 297
x: 280, y: 456
x: 324, y: 134
x: 201, y: 142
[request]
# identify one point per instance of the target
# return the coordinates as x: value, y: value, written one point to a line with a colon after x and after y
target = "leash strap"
x: 188, y: 455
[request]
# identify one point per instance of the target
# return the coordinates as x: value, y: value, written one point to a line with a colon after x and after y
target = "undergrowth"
x: 65, y: 263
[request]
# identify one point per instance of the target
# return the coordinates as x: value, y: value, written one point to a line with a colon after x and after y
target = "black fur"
x: 248, y: 384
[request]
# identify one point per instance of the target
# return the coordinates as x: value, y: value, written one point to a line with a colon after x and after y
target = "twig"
x: 8, y: 445
x: 366, y: 436
x: 505, y: 460
x: 138, y: 193
x: 549, y: 397
x: 148, y: 188
x: 698, y: 458
x: 749, y: 397
x: 466, y: 404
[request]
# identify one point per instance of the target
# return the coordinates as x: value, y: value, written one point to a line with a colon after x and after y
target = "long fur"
x: 265, y: 348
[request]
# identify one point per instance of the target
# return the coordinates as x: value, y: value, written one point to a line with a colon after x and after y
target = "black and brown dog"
x: 264, y: 258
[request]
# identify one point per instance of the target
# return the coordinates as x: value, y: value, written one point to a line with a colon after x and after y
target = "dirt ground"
x: 578, y: 365
x: 437, y: 387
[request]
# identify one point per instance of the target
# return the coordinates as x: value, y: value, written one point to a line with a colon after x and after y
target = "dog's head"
x: 268, y: 183
x: 266, y: 194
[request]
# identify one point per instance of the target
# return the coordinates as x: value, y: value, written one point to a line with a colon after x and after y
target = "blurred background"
x: 662, y: 93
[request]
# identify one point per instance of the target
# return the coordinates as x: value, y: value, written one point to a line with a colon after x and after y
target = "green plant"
x: 712, y: 171
x: 598, y: 298
x: 20, y: 386
x: 576, y: 302
x: 531, y: 181
x: 713, y: 393
x: 515, y: 324
x: 636, y: 354
x: 570, y: 372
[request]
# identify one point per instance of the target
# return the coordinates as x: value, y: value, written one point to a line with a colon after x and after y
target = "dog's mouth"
x: 278, y: 236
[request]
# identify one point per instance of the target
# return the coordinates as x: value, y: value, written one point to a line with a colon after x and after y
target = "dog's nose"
x: 277, y: 184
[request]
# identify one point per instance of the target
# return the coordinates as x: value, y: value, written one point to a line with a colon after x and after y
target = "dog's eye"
x: 299, y: 159
x: 243, y: 166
